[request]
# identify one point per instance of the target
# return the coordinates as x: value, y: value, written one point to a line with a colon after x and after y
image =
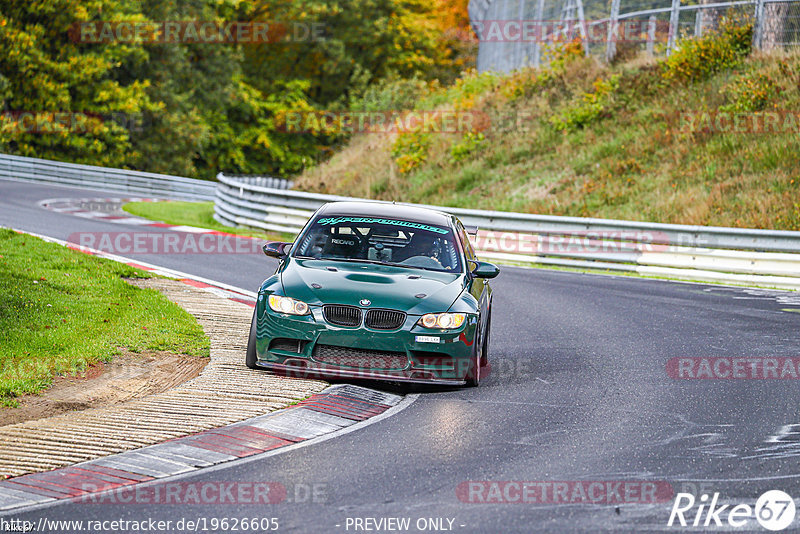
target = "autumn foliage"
x: 197, y: 108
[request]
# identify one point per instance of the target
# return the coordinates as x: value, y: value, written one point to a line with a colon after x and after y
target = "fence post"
x: 537, y: 60
x: 674, y: 19
x: 758, y: 28
x: 651, y: 34
x: 611, y: 41
x: 520, y: 48
x: 698, y: 23
x: 583, y: 28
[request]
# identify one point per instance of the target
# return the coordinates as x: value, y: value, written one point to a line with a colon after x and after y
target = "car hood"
x: 414, y: 291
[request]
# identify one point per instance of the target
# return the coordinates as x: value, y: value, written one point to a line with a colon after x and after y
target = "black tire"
x: 486, y: 333
x: 473, y: 378
x: 252, y: 357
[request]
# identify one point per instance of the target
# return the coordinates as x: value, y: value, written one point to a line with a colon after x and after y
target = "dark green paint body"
x: 413, y: 291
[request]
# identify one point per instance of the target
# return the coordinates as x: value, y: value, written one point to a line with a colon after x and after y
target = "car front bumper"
x: 308, y: 346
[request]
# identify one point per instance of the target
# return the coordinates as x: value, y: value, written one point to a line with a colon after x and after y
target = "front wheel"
x: 481, y: 358
x: 473, y: 378
x: 474, y: 375
x: 486, y: 334
x: 252, y: 356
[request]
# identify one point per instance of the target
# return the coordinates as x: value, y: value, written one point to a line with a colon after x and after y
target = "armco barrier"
x: 118, y: 180
x: 105, y: 179
x: 768, y: 258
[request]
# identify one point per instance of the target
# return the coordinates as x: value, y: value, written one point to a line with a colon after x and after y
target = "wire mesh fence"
x: 517, y: 33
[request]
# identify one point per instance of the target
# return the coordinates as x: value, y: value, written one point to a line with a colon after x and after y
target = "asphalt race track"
x: 579, y: 391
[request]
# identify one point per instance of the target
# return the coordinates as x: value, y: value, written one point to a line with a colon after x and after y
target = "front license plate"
x: 428, y: 339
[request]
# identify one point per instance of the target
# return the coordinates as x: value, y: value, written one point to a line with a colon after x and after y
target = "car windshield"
x: 378, y: 240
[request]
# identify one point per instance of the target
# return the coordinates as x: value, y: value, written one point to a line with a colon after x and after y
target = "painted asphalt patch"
x: 331, y: 410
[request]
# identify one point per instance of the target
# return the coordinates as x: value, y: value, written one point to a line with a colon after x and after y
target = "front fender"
x: 268, y: 287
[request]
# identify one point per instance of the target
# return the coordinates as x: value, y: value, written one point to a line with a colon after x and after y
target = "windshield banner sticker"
x: 373, y: 220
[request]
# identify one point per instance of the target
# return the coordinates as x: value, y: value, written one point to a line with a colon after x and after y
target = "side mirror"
x: 484, y: 269
x: 276, y: 249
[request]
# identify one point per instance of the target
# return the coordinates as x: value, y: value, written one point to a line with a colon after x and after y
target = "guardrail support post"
x: 674, y: 20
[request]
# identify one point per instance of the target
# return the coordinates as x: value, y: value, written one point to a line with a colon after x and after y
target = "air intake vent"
x: 289, y: 345
x: 342, y: 315
x: 385, y: 319
x: 363, y: 359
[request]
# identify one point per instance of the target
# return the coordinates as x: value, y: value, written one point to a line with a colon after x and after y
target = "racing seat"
x: 342, y: 246
x: 419, y: 245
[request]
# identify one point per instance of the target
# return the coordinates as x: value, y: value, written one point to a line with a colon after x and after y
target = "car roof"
x: 386, y: 210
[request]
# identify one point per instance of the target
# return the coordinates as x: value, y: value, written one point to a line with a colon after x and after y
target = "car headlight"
x: 442, y: 320
x: 287, y: 305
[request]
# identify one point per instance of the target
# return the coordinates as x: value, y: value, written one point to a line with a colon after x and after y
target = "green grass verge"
x: 62, y: 311
x: 199, y: 214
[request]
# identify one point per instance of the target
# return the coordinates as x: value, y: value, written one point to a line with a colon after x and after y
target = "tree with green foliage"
x: 203, y: 107
x: 44, y: 72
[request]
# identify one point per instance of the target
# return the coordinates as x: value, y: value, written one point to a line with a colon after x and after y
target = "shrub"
x: 750, y: 92
x: 591, y: 106
x: 394, y: 94
x: 468, y: 145
x: 462, y: 94
x: 410, y: 150
x: 698, y: 58
x: 562, y: 54
x: 519, y: 84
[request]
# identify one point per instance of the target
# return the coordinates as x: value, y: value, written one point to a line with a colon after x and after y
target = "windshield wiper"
x: 407, y: 266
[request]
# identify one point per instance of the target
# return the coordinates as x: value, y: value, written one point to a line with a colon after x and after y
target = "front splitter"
x: 316, y: 372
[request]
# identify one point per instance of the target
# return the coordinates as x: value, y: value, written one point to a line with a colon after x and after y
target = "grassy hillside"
x: 584, y: 139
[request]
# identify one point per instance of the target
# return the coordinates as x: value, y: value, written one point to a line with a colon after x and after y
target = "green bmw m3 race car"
x: 375, y: 291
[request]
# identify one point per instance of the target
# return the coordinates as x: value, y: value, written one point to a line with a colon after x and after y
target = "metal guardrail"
x: 729, y: 255
x: 106, y: 179
x: 717, y: 254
